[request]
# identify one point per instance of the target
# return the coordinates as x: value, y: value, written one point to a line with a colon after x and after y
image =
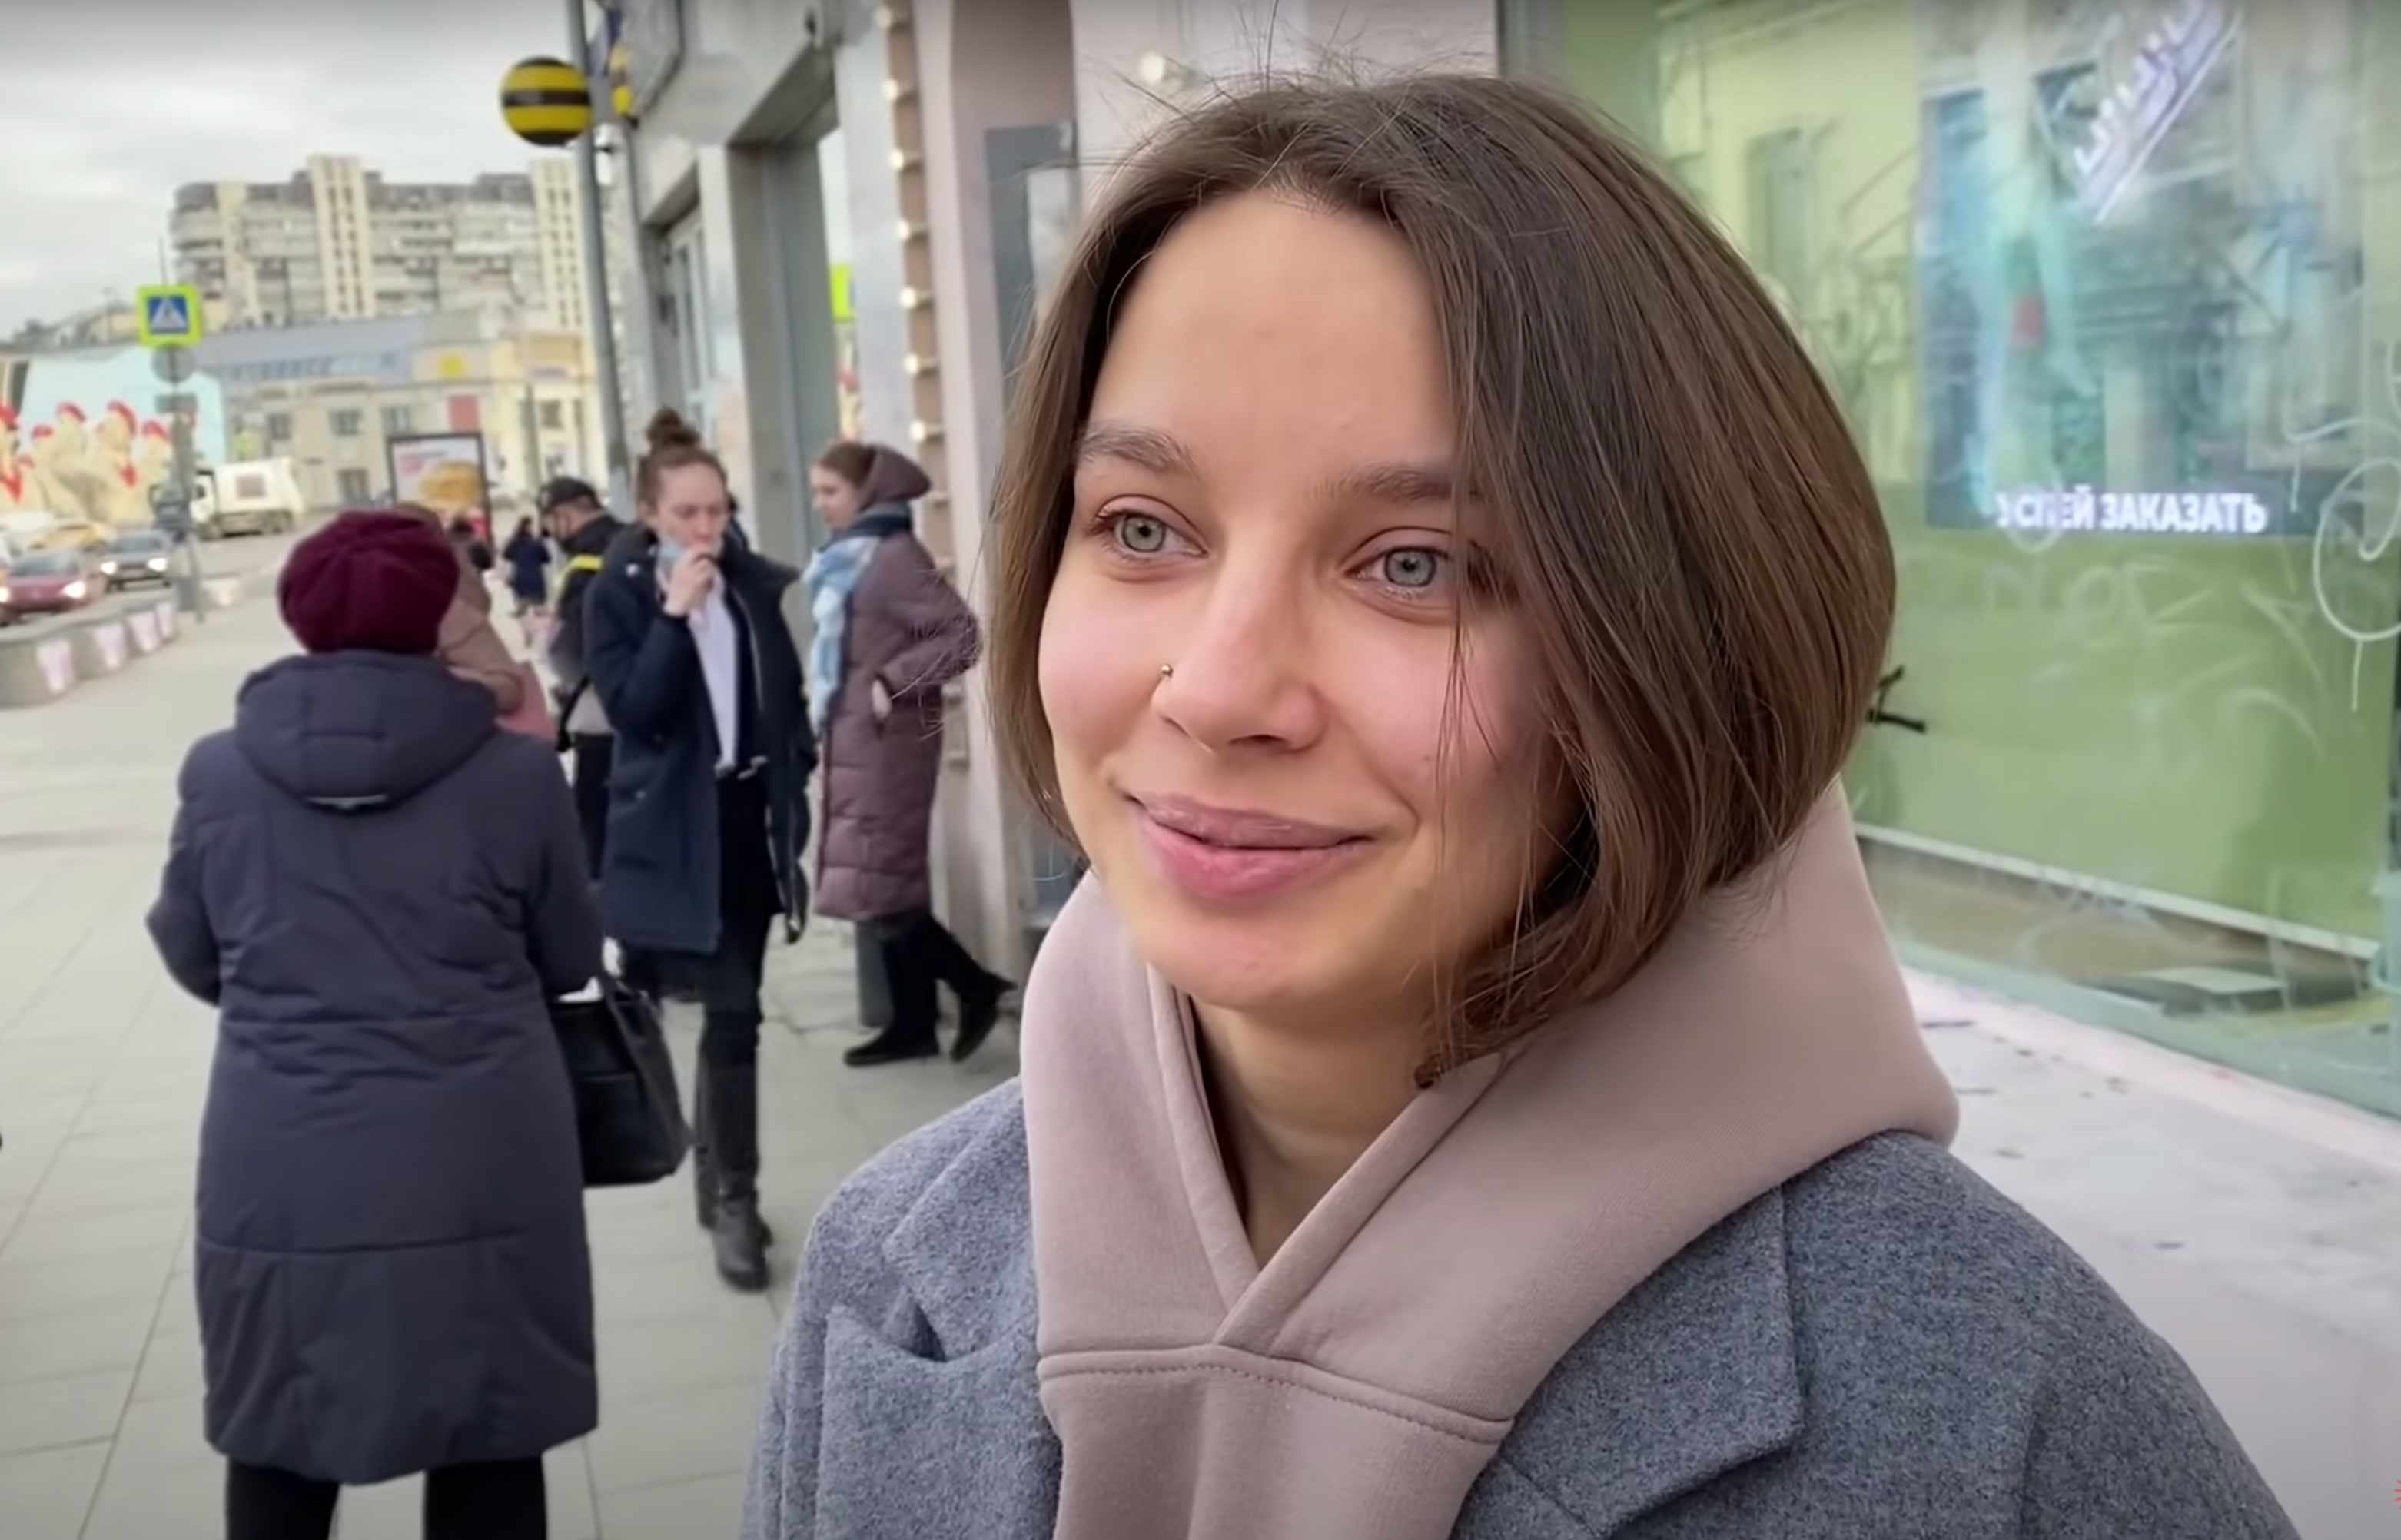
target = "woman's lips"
x: 1223, y: 854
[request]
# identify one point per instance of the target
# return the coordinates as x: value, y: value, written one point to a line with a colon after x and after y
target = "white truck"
x: 246, y: 497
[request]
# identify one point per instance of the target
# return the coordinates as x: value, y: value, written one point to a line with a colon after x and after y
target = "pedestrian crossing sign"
x: 166, y: 316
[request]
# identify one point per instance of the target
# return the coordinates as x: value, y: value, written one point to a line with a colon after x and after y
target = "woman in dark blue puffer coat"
x: 380, y: 891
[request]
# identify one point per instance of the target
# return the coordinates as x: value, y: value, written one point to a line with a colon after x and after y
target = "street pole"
x: 191, y: 596
x: 530, y: 421
x: 595, y: 278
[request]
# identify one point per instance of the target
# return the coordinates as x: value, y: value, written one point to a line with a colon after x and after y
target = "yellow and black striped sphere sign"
x: 546, y: 102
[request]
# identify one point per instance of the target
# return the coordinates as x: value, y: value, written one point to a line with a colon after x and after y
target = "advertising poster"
x: 86, y: 438
x: 444, y: 472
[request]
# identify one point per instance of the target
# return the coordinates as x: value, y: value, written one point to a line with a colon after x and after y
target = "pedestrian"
x: 890, y: 633
x: 473, y: 647
x: 686, y: 641
x: 380, y: 891
x: 1473, y: 1093
x: 471, y: 546
x: 584, y: 530
x: 528, y: 557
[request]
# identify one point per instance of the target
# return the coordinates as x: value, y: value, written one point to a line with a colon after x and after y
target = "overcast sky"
x: 106, y: 107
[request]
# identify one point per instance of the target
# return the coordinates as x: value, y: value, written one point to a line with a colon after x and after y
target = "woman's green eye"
x: 1142, y: 534
x: 1412, y: 568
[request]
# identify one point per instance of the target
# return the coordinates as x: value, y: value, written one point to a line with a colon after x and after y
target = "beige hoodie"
x: 1356, y: 1386
x: 470, y: 644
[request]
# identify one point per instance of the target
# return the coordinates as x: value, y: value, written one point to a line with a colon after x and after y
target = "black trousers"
x: 747, y: 906
x: 594, y: 753
x: 503, y: 1501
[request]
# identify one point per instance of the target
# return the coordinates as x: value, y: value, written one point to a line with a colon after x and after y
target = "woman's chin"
x: 1251, y: 965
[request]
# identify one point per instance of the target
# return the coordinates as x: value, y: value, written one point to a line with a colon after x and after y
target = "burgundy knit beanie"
x: 369, y: 583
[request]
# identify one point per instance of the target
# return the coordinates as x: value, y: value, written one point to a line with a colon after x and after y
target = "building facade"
x: 338, y: 242
x: 2103, y: 288
x: 334, y: 397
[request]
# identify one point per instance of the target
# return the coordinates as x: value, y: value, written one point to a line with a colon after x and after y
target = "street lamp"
x: 548, y: 102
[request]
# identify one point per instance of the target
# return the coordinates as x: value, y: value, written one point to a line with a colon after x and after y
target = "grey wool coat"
x: 379, y: 890
x: 1884, y: 1349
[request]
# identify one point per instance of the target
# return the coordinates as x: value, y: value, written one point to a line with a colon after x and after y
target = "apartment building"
x: 339, y: 242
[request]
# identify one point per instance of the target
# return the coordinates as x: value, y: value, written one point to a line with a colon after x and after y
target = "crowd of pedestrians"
x: 1473, y: 1093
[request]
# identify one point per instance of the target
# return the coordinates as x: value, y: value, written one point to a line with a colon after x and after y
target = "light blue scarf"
x: 832, y: 577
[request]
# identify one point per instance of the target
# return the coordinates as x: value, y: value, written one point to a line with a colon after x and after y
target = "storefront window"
x: 2112, y: 295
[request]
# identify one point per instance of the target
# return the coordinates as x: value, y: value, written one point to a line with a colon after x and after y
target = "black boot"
x: 739, y: 1236
x: 910, y: 1032
x: 979, y: 990
x: 978, y: 1013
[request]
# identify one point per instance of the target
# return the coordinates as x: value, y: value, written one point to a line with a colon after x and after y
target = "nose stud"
x: 1167, y: 670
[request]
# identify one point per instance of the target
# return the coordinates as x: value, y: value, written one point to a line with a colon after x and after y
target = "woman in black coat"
x: 686, y: 643
x: 380, y: 891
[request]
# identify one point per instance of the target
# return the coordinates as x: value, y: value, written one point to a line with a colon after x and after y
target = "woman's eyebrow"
x: 1391, y: 483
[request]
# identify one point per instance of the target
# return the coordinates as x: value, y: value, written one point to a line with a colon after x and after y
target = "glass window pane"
x: 2107, y: 294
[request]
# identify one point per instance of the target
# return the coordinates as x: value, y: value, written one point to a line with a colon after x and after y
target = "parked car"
x: 136, y: 557
x: 50, y: 583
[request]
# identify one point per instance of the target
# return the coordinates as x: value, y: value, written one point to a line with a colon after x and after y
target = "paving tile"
x: 139, y: 1501
x: 46, y: 1496
x: 696, y: 1432
x: 667, y: 1288
x: 668, y: 1355
x: 161, y: 1435
x: 709, y: 1506
x: 83, y: 1342
x: 170, y: 1367
x: 154, y: 1230
x: 72, y: 1285
x: 74, y: 1408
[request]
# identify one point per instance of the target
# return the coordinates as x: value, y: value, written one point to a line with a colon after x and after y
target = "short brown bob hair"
x: 1665, y: 481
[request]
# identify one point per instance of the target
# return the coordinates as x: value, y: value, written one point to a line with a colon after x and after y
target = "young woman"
x: 890, y: 634
x: 381, y: 890
x: 1473, y: 1093
x: 686, y: 644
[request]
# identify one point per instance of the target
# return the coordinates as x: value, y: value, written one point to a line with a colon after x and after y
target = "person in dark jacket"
x: 890, y: 634
x: 527, y: 558
x: 380, y: 891
x: 685, y: 637
x: 573, y: 514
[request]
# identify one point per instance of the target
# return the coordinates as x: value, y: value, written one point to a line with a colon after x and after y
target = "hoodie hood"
x: 357, y: 732
x: 1355, y: 1385
x: 893, y: 479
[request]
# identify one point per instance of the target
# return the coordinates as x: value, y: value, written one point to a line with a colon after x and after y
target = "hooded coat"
x: 380, y: 891
x: 910, y: 632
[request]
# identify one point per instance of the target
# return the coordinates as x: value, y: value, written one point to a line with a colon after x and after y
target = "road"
x: 228, y: 558
x: 2259, y: 1231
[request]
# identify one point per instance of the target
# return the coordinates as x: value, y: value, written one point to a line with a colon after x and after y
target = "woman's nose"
x: 1243, y: 676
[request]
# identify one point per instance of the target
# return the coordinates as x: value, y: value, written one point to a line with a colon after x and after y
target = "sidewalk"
x: 2259, y: 1231
x: 101, y: 1071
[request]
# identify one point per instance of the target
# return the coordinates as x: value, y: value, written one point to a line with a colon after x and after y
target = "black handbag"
x: 627, y: 1114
